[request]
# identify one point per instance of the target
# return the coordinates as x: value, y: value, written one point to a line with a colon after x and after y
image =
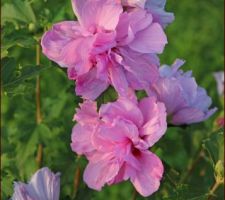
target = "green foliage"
x: 192, y: 156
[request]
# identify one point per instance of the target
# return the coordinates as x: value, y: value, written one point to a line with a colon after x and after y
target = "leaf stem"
x: 38, y: 93
x: 39, y: 157
x: 134, y: 195
x: 213, y: 189
x: 76, y: 177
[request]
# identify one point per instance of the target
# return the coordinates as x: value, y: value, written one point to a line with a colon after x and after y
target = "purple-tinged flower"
x: 106, y: 46
x: 219, y: 76
x: 185, y: 101
x: 155, y: 7
x: 44, y: 185
x: 116, y: 139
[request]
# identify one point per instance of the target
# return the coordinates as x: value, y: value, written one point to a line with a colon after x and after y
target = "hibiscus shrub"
x: 97, y: 106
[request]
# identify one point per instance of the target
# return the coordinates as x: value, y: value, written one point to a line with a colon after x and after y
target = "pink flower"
x: 116, y: 140
x: 220, y: 122
x: 219, y: 76
x: 155, y: 7
x: 106, y: 46
x: 43, y: 185
x: 185, y: 101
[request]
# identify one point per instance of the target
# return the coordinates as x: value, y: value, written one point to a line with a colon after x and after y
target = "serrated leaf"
x: 18, y: 11
x: 214, y: 145
x: 7, y: 69
x: 11, y: 79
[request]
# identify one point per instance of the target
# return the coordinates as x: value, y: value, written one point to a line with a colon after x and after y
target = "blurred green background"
x: 190, y: 154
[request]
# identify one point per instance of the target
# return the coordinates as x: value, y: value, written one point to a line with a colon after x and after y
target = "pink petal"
x: 134, y: 3
x: 154, y: 120
x: 103, y: 41
x: 143, y: 67
x: 62, y: 45
x: 87, y: 113
x: 81, y: 143
x: 147, y: 179
x: 97, y: 174
x: 123, y: 108
x: 99, y: 13
x: 89, y: 86
x: 149, y: 40
x: 131, y: 23
x: 118, y: 80
x: 116, y: 137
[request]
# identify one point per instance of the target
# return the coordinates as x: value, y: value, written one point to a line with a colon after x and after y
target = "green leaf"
x: 12, y: 76
x: 18, y: 11
x: 214, y: 145
x: 8, y: 69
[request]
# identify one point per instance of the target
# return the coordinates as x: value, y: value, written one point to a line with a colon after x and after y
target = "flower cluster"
x: 117, y: 42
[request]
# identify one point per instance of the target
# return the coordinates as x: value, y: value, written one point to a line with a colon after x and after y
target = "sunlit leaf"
x: 18, y: 11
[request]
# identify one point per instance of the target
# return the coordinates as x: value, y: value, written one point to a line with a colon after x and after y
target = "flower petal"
x: 97, y: 174
x: 123, y: 108
x: 118, y: 80
x: 154, y: 120
x: 87, y: 113
x: 191, y: 115
x: 143, y: 67
x: 100, y: 13
x: 62, y: 45
x: 147, y: 179
x: 89, y: 86
x: 156, y: 7
x: 81, y: 143
x: 169, y: 92
x: 149, y: 40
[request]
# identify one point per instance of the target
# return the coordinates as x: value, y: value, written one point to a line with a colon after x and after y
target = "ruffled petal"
x: 46, y: 184
x: 142, y: 68
x: 156, y: 7
x: 81, y: 143
x: 89, y: 86
x: 118, y: 80
x: 87, y: 113
x: 98, y: 173
x: 131, y: 23
x: 191, y: 115
x: 169, y: 92
x: 147, y: 179
x: 149, y: 40
x: 97, y: 14
x: 123, y: 108
x: 115, y: 137
x: 154, y: 120
x: 62, y: 45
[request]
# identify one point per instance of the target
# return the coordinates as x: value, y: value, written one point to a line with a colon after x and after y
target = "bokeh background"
x: 190, y: 154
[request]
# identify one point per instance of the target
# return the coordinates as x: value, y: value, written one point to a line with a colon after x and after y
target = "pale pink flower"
x: 106, y: 46
x: 44, y: 185
x: 116, y: 139
x: 219, y: 77
x: 185, y: 101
